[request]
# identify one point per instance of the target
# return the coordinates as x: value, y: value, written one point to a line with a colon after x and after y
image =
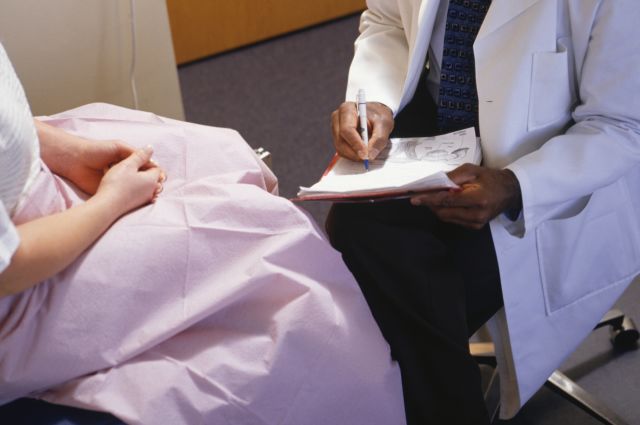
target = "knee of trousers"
x: 342, y: 224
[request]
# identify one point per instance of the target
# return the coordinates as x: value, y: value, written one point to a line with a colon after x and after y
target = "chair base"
x: 624, y: 336
x: 564, y: 386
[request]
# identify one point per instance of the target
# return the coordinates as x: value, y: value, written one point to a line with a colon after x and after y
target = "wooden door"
x: 202, y: 28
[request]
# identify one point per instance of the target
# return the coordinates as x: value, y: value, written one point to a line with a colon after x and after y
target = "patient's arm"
x: 81, y: 161
x: 51, y: 243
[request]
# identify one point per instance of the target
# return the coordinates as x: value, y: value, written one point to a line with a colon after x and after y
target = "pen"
x: 364, y: 131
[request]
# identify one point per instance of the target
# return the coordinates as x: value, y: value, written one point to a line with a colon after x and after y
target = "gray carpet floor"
x: 279, y: 95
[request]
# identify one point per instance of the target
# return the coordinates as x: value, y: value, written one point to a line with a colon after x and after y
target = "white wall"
x: 71, y: 52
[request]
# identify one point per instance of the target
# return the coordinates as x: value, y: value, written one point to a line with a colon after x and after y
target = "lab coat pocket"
x: 584, y: 254
x: 550, y: 97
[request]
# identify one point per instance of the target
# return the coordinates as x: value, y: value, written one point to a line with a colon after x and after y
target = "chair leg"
x: 492, y: 396
x: 624, y: 336
x: 571, y: 391
x: 562, y: 385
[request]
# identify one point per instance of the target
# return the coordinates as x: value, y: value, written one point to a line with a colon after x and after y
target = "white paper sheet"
x: 416, y: 163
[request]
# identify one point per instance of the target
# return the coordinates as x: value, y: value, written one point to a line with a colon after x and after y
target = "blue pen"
x: 364, y: 131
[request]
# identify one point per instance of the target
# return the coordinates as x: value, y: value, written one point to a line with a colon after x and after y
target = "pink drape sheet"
x: 219, y: 304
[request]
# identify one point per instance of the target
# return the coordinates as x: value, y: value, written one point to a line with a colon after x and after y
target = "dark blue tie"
x: 458, y: 97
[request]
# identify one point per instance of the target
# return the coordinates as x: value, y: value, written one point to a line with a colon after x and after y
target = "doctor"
x: 547, y: 227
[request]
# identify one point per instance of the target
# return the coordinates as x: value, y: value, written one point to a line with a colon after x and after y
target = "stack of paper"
x: 406, y: 166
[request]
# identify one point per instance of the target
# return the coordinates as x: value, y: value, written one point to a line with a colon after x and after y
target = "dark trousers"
x: 430, y: 286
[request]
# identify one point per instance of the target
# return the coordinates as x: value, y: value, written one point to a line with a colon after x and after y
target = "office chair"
x: 624, y: 336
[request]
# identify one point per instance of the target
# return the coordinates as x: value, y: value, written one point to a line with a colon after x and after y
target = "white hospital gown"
x: 18, y: 154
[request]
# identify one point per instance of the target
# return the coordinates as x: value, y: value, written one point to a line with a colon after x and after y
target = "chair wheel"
x: 626, y: 336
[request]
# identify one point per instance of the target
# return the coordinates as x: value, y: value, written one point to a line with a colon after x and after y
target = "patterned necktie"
x: 458, y: 97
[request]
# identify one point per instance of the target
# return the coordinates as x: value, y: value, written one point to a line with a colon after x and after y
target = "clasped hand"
x: 109, y: 168
x: 133, y: 181
x: 484, y: 193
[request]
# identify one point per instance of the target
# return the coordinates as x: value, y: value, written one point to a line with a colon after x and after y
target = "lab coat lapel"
x: 500, y: 13
x: 419, y: 44
x: 512, y: 33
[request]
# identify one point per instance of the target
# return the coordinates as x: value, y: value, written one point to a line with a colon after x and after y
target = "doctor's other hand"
x: 131, y: 183
x: 484, y: 194
x: 346, y: 137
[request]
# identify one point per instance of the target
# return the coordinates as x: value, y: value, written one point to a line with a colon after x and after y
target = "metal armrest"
x: 265, y: 156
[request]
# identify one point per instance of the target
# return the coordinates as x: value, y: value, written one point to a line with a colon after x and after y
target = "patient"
x: 178, y: 290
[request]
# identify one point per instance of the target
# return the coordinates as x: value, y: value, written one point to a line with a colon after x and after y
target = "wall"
x: 72, y: 52
x: 201, y: 28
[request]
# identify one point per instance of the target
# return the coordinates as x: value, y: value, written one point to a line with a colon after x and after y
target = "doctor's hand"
x: 346, y: 138
x: 484, y: 194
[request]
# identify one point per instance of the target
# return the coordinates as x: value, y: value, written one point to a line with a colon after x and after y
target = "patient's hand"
x: 84, y: 162
x: 97, y: 157
x: 131, y: 183
x: 93, y: 160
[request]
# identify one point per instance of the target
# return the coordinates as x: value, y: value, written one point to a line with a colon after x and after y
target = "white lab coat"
x: 559, y: 99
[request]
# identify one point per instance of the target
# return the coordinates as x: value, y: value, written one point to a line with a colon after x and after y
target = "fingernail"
x: 373, y: 153
x: 362, y: 155
x: 148, y: 149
